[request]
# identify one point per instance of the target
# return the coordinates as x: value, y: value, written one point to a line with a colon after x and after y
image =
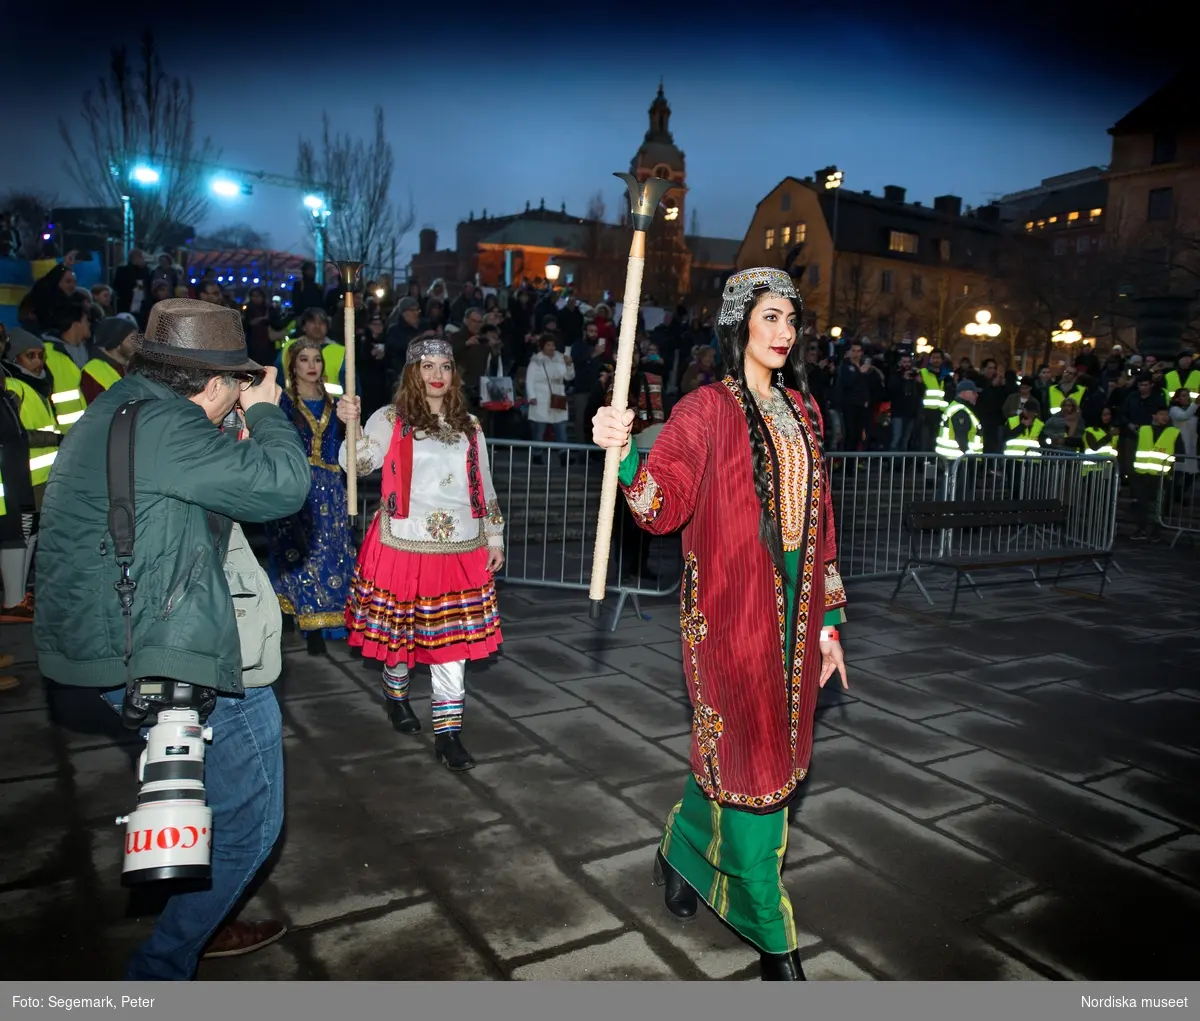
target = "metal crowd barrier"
x: 549, y: 494
x: 872, y: 493
x: 1179, y: 499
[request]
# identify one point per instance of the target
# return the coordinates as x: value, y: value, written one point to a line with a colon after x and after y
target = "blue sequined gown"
x: 311, y: 555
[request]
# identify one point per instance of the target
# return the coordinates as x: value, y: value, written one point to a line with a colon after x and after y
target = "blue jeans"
x: 243, y: 775
x: 538, y: 430
x: 902, y: 430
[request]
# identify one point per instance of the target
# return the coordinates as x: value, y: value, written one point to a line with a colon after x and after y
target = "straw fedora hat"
x: 196, y: 335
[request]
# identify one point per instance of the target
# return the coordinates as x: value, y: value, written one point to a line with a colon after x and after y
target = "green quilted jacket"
x: 192, y: 482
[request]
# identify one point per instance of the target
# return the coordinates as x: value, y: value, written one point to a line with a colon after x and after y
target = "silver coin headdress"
x: 430, y: 347
x: 744, y: 286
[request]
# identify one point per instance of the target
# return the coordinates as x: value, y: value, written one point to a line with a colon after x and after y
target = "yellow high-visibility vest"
x: 1155, y: 456
x: 35, y: 416
x: 946, y: 445
x: 3, y: 508
x: 1057, y: 397
x: 103, y: 372
x: 1172, y: 382
x: 67, y: 399
x: 935, y: 391
x: 1025, y: 443
x: 1103, y: 448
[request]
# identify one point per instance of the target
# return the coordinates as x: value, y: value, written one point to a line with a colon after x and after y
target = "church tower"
x: 667, y: 276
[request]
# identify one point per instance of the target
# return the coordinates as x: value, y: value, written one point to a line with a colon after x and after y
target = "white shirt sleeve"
x: 373, y: 443
x: 493, y: 521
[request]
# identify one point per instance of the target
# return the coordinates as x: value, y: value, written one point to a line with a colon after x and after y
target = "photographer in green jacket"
x: 192, y: 480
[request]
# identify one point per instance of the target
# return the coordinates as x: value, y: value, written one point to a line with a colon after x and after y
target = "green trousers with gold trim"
x: 734, y: 859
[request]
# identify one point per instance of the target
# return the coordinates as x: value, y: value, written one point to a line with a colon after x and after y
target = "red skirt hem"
x: 421, y: 608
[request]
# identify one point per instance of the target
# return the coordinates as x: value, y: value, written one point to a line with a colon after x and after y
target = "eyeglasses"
x: 248, y: 379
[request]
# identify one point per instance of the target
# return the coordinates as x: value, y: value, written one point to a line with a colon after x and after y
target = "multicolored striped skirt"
x: 411, y: 608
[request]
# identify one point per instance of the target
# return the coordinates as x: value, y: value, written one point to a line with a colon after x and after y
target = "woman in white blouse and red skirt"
x: 424, y: 589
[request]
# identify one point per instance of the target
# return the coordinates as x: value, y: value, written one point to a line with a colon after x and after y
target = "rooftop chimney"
x: 951, y: 205
x: 988, y: 214
x: 428, y: 241
x: 893, y: 193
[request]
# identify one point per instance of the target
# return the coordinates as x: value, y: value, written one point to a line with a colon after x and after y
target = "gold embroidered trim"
x: 835, y: 591
x: 393, y: 541
x: 644, y: 496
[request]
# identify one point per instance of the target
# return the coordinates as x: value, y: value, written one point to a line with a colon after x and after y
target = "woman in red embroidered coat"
x: 423, y: 589
x: 738, y: 466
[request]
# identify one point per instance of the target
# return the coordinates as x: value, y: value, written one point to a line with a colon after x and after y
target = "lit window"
x: 899, y: 241
x: 801, y: 232
x: 966, y: 289
x: 769, y: 239
x: 785, y: 234
x: 944, y: 248
x: 1029, y: 225
x: 1053, y: 219
x: 1041, y: 224
x: 1095, y: 214
x: 1072, y: 216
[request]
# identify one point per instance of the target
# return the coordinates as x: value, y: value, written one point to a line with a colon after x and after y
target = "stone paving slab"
x: 934, y: 868
x: 1009, y: 793
x: 1074, y: 808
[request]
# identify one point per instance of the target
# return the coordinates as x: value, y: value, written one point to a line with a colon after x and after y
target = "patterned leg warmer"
x: 395, y: 683
x: 449, y: 693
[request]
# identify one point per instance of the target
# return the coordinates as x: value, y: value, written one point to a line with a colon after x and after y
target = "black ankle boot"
x: 781, y: 967
x: 316, y: 643
x: 403, y: 718
x: 449, y: 750
x: 680, y: 898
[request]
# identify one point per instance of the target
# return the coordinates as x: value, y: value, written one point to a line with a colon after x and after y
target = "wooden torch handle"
x: 620, y: 401
x: 351, y: 427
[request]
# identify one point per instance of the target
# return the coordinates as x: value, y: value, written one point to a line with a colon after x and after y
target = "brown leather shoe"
x: 239, y: 938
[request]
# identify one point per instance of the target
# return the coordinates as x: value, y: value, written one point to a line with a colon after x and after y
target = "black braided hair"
x: 768, y: 526
x: 733, y: 341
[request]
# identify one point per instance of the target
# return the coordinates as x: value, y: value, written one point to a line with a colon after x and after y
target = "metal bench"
x: 951, y: 518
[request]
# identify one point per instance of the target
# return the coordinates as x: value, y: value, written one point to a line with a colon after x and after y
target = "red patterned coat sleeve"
x: 662, y: 495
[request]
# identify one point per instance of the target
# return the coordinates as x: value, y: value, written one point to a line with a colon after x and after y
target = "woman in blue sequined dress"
x: 311, y: 555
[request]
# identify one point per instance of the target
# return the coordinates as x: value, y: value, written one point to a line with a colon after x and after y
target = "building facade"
x: 878, y: 266
x: 1153, y: 221
x: 591, y: 254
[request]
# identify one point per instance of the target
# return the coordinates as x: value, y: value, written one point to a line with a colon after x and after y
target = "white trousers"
x: 449, y: 692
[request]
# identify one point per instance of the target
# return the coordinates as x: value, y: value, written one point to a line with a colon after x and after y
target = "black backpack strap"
x: 122, y: 516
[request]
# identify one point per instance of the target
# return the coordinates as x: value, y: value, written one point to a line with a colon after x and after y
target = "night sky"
x: 488, y: 110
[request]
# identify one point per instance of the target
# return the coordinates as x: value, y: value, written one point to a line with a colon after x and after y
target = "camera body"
x: 169, y: 834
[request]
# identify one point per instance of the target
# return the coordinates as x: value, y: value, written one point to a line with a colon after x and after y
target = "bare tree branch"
x: 138, y: 114
x: 233, y: 236
x: 355, y: 179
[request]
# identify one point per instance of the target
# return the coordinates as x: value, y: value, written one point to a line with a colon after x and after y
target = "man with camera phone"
x: 135, y: 600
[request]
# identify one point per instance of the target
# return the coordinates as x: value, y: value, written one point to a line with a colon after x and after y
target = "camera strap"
x: 122, y: 516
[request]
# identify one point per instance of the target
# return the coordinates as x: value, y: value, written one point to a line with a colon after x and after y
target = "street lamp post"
x: 320, y: 213
x: 981, y: 328
x: 833, y: 182
x: 146, y: 176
